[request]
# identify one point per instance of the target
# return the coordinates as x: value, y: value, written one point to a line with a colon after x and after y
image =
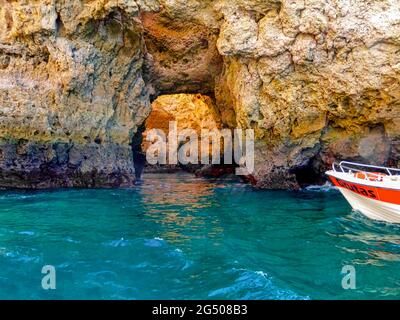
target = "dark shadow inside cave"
x: 310, y: 174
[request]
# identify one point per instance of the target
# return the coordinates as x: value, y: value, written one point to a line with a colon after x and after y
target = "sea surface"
x: 180, y: 237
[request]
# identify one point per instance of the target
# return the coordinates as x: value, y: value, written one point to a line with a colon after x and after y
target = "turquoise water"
x: 179, y: 237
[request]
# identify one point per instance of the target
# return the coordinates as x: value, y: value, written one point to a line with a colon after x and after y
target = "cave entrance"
x: 189, y: 111
x: 313, y: 173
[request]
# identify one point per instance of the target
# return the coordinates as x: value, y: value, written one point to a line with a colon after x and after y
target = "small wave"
x: 17, y: 196
x: 324, y: 188
x: 154, y: 243
x: 64, y: 265
x: 254, y: 285
x: 20, y: 257
x: 187, y: 265
x: 103, y: 274
x: 70, y: 240
x: 117, y: 243
x: 26, y: 233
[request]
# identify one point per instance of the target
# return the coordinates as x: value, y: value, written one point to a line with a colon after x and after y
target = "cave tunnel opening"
x: 195, y: 111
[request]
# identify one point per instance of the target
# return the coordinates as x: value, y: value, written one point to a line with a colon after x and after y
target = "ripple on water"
x: 26, y: 233
x: 324, y: 188
x: 155, y: 243
x: 18, y: 256
x: 253, y: 285
x: 71, y: 240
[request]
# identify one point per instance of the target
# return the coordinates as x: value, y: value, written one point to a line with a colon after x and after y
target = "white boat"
x: 371, y: 190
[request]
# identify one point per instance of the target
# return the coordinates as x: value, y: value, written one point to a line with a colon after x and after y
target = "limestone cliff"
x: 71, y: 92
x: 318, y: 80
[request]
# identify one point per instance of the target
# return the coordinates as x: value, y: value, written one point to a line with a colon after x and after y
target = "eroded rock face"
x: 71, y: 92
x: 317, y: 80
x: 182, y: 56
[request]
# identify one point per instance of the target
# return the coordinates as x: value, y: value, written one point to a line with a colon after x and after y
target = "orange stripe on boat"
x: 382, y: 194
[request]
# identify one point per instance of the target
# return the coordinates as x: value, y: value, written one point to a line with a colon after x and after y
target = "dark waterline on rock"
x: 180, y: 237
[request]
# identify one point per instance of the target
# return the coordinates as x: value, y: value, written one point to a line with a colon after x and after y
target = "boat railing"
x: 353, y: 167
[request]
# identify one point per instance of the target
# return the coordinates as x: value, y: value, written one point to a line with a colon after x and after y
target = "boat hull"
x: 373, y: 209
x: 369, y: 198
